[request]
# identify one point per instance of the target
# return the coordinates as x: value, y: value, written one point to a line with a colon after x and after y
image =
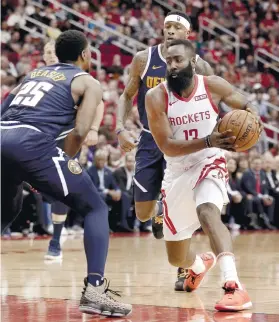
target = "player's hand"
x: 224, y: 140
x: 237, y: 198
x: 127, y: 140
x: 91, y: 138
x: 258, y: 119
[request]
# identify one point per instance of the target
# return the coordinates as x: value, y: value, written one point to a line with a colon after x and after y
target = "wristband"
x: 208, y: 142
x: 119, y: 131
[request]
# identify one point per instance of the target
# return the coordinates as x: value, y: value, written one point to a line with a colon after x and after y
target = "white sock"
x: 228, y: 268
x: 198, y: 266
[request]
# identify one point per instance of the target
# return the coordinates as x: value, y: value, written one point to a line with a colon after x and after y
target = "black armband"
x: 208, y: 142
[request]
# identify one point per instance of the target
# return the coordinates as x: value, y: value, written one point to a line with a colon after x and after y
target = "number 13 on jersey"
x: 191, y: 134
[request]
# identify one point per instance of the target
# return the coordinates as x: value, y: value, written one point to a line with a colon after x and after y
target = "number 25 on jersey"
x: 31, y: 93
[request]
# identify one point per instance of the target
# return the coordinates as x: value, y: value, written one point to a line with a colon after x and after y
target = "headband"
x: 179, y: 19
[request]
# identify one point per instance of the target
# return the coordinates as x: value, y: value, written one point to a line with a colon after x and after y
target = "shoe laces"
x: 181, y: 273
x: 108, y: 290
x: 229, y: 290
x: 190, y: 276
x: 159, y: 219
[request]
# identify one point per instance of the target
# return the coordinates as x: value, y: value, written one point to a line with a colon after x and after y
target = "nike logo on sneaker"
x: 156, y: 67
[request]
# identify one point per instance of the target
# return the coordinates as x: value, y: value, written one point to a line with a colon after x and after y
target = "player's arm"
x: 90, y: 90
x: 126, y: 140
x: 8, y: 100
x: 203, y: 68
x: 92, y: 136
x: 230, y: 96
x: 155, y: 104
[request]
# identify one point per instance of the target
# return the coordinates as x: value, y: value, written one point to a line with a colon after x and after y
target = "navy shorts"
x: 150, y: 167
x: 32, y: 156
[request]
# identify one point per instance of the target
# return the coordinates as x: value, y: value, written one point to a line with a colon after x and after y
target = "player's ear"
x: 83, y: 55
x: 193, y: 62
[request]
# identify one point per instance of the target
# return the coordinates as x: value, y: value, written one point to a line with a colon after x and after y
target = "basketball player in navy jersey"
x: 59, y: 210
x: 182, y: 114
x: 50, y: 100
x: 148, y: 69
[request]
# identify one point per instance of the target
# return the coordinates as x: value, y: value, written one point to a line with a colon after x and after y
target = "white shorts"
x: 184, y: 192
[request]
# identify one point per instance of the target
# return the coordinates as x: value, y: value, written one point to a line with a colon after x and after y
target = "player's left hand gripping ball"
x: 261, y: 127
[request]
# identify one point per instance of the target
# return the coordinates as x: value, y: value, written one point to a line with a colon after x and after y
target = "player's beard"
x: 182, y: 79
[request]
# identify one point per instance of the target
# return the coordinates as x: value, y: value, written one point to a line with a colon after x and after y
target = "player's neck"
x: 188, y: 91
x: 164, y: 49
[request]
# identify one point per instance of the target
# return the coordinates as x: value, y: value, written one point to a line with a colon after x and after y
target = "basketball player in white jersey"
x: 147, y: 70
x: 182, y: 115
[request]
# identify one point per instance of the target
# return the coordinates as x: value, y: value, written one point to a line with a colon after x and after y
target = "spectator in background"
x: 260, y: 203
x: 243, y: 165
x: 236, y: 209
x: 272, y: 182
x: 276, y: 172
x: 105, y: 182
x: 124, y: 178
x: 116, y: 67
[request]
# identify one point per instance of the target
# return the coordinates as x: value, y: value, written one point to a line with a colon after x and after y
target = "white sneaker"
x: 64, y: 231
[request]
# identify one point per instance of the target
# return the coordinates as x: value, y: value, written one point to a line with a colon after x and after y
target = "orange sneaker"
x: 192, y: 280
x: 232, y: 316
x: 234, y: 299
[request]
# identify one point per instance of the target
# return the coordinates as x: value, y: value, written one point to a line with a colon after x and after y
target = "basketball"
x: 244, y: 126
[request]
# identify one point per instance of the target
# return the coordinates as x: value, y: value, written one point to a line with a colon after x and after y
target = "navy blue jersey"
x: 45, y: 101
x: 154, y: 74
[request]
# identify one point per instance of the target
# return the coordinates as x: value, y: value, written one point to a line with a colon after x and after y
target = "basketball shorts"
x: 29, y: 155
x: 184, y: 191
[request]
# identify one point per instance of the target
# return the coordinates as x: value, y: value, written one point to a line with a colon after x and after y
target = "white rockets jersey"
x: 191, y: 118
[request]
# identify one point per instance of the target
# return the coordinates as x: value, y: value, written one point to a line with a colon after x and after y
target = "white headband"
x: 179, y: 19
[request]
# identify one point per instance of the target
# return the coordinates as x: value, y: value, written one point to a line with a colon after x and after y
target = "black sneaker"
x: 181, y: 277
x: 96, y: 300
x: 157, y: 222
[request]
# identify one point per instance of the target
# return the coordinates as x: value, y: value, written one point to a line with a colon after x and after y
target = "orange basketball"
x: 244, y: 126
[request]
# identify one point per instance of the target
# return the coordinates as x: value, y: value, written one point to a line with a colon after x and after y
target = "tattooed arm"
x: 126, y: 139
x: 203, y: 68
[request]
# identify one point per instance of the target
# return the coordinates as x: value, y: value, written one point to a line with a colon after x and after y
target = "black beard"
x: 182, y: 80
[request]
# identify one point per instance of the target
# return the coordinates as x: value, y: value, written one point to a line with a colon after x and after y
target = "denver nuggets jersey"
x: 191, y: 118
x: 45, y: 100
x: 153, y: 74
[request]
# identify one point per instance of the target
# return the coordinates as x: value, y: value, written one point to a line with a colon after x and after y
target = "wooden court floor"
x: 33, y: 291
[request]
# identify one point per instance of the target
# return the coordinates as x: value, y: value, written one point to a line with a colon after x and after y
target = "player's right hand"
x: 127, y: 140
x: 224, y: 140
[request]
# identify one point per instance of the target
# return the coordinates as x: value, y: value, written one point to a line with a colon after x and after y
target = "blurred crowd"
x: 255, y: 22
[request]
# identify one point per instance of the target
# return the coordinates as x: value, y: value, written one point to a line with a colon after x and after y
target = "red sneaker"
x: 192, y: 280
x: 234, y: 299
x: 232, y: 316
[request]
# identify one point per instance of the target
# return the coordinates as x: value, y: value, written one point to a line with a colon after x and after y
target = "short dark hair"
x: 181, y: 14
x: 69, y: 45
x: 186, y: 43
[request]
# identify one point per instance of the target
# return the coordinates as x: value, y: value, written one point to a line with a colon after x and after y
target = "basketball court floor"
x: 34, y: 291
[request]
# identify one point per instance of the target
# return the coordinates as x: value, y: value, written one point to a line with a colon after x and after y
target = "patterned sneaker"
x: 234, y: 299
x: 181, y: 276
x: 54, y: 251
x: 193, y: 281
x: 157, y: 222
x: 96, y: 300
